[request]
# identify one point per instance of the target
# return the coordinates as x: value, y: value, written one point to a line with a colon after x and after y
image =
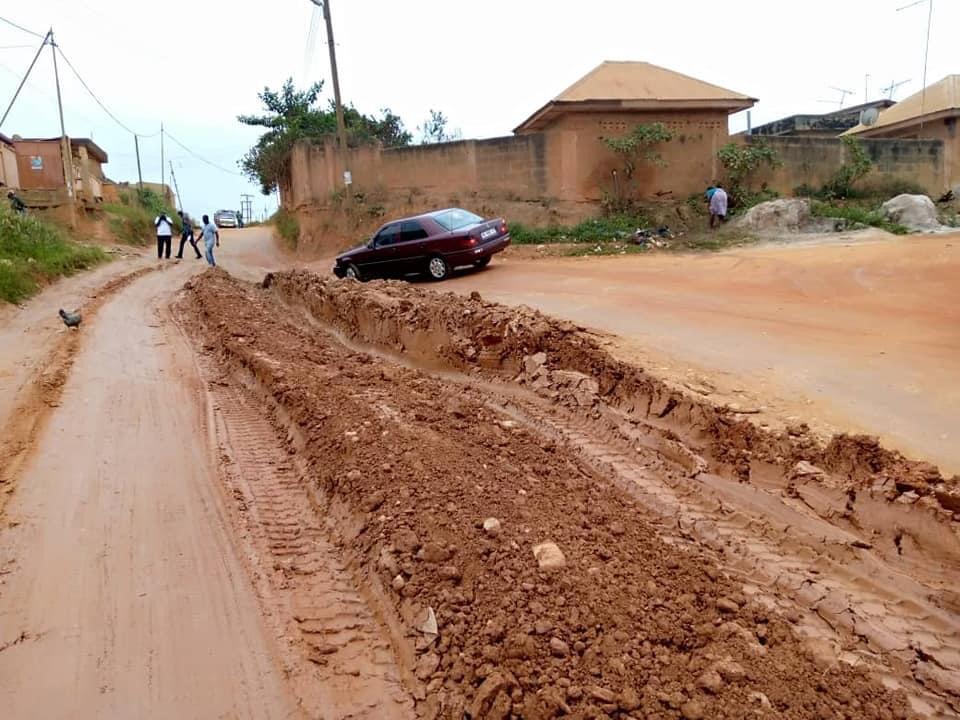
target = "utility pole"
x: 173, y: 179
x: 341, y: 126
x: 163, y: 169
x: 66, y: 149
x: 136, y: 145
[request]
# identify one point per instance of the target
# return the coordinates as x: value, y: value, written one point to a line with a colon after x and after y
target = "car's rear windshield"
x: 456, y: 219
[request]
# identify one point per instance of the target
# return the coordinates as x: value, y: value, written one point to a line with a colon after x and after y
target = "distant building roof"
x: 94, y: 150
x: 636, y: 86
x: 5, y: 140
x: 941, y: 100
x: 829, y: 124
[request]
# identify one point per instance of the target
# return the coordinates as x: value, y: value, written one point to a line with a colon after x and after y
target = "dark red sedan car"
x: 435, y: 243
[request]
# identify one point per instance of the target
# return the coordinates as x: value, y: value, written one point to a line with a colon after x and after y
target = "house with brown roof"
x: 42, y: 169
x: 930, y: 114
x: 615, y: 97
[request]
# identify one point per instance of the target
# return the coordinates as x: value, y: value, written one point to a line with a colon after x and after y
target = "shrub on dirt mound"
x: 916, y: 212
x: 790, y: 215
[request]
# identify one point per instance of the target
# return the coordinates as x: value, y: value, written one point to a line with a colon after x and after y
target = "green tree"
x: 640, y: 145
x: 434, y: 129
x: 291, y: 115
x: 741, y: 163
x: 855, y: 167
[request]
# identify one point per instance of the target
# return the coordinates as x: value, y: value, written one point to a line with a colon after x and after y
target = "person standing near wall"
x: 210, y: 234
x: 718, y: 206
x: 164, y: 226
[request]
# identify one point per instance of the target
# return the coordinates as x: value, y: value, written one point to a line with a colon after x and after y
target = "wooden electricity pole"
x: 341, y: 125
x: 66, y: 149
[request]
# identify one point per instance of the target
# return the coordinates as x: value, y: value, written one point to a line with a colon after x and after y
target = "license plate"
x: 486, y: 234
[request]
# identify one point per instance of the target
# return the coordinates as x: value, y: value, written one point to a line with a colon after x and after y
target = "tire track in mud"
x: 335, y: 651
x: 41, y: 393
x: 844, y: 614
x: 792, y: 560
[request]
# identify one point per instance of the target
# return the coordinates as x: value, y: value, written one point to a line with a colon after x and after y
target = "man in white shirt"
x: 164, y: 226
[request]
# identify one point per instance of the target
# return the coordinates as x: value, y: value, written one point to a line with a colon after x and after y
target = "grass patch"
x: 131, y: 220
x: 596, y: 230
x: 287, y: 226
x: 34, y: 252
x: 857, y: 215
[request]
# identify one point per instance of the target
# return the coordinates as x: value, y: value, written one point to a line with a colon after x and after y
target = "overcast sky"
x: 487, y: 65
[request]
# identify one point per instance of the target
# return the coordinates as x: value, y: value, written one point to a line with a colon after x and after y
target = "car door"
x: 381, y: 261
x: 411, y: 250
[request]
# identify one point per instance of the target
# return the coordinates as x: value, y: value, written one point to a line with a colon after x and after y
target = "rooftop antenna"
x: 926, y: 52
x: 890, y: 89
x: 843, y: 95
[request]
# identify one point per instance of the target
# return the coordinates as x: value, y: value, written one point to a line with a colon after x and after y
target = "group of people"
x: 208, y: 232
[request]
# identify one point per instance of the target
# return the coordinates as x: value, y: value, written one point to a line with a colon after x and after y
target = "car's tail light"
x: 471, y: 241
x: 503, y: 228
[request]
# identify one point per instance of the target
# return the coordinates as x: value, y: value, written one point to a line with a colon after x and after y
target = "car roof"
x: 431, y: 214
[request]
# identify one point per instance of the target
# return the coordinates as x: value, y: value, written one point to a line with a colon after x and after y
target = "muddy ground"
x: 292, y: 496
x: 707, y: 570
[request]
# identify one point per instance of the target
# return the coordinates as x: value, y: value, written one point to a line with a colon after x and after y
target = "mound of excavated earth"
x: 522, y: 577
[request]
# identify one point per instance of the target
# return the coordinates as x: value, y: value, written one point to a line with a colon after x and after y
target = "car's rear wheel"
x: 437, y: 268
x: 482, y: 262
x: 353, y: 272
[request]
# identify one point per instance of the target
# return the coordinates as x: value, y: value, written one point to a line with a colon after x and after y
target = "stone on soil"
x: 549, y: 556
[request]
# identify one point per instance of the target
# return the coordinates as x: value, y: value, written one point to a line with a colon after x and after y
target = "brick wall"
x: 812, y: 161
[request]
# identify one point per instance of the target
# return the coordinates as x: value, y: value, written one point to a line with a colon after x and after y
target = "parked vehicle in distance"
x: 225, y: 218
x: 435, y: 243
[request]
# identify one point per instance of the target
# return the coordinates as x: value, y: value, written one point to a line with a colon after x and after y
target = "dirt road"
x: 123, y: 595
x: 863, y: 336
x: 239, y: 501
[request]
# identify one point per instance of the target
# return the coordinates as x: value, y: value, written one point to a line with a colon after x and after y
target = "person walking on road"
x: 164, y: 226
x: 210, y: 235
x: 187, y: 235
x: 718, y: 206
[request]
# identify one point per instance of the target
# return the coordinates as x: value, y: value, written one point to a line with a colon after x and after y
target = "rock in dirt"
x: 559, y: 648
x: 533, y: 364
x: 726, y: 605
x: 915, y: 212
x: 406, y: 541
x: 710, y: 681
x: 785, y: 215
x: 434, y: 553
x: 398, y: 582
x: 807, y: 471
x: 601, y: 694
x: 488, y: 702
x: 427, y: 665
x: 491, y: 526
x: 629, y: 700
x: 427, y: 622
x: 692, y: 710
x: 549, y: 556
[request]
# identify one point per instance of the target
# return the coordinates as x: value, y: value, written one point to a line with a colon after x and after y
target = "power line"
x: 200, y: 158
x: 20, y: 27
x: 93, y: 95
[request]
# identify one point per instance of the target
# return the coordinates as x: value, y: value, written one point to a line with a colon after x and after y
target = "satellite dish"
x: 869, y: 116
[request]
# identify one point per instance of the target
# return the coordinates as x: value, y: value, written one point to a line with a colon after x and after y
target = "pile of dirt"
x: 528, y: 586
x: 788, y: 215
x: 915, y: 212
x: 566, y: 363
